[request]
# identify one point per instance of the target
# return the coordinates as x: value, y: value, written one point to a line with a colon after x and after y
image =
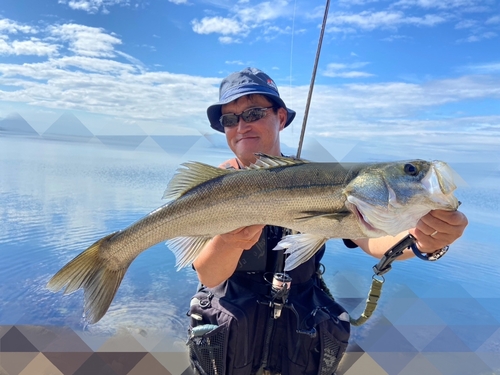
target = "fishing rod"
x: 313, y: 78
x: 281, y: 281
x: 390, y: 255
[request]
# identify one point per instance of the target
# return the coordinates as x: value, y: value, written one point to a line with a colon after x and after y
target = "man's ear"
x: 283, y: 116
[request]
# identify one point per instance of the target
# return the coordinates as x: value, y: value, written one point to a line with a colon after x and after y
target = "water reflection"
x: 58, y: 197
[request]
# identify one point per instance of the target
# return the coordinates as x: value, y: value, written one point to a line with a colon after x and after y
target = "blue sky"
x: 425, y: 70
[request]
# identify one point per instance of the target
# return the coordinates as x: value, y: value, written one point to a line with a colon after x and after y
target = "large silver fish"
x: 318, y: 200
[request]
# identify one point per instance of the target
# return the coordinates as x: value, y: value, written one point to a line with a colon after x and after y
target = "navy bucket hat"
x: 248, y: 81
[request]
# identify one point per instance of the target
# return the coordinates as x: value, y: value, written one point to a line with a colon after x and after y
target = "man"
x: 251, y: 114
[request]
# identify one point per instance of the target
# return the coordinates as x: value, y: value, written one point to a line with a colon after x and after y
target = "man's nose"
x: 243, y: 126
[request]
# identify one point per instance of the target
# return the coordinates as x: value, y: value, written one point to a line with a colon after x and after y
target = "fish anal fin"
x: 300, y: 248
x: 186, y: 249
x: 90, y: 272
x: 190, y: 175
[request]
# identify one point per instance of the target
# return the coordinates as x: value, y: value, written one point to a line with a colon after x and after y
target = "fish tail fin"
x: 90, y: 272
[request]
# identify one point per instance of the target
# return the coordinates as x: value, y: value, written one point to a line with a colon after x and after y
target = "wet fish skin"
x: 319, y: 200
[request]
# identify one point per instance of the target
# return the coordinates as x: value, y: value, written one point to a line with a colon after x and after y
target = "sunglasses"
x: 249, y: 115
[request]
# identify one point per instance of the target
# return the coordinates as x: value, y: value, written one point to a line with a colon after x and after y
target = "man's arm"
x: 219, y: 258
x: 449, y: 225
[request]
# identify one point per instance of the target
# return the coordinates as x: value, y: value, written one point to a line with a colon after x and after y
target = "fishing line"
x: 291, y: 56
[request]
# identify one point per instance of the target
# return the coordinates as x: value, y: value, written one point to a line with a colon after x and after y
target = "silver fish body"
x: 318, y: 200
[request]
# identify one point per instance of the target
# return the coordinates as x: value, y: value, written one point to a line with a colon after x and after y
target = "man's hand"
x: 219, y: 258
x: 438, y: 228
x: 242, y: 238
x: 433, y: 232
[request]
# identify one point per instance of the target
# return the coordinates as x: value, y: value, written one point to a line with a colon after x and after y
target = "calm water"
x: 56, y: 198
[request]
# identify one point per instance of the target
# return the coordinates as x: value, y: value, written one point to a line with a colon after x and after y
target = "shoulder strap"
x: 230, y: 164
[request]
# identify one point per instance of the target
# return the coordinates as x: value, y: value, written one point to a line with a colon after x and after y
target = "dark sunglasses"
x: 249, y: 115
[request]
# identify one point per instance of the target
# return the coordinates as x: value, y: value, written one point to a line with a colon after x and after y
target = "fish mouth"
x: 440, y: 186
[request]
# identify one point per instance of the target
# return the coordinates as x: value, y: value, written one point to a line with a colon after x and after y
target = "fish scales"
x: 257, y: 197
x: 274, y: 196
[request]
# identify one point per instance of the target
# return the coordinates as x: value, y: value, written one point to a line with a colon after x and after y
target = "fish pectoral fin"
x: 186, y: 249
x: 190, y: 175
x: 300, y: 248
x: 90, y: 272
x: 308, y: 215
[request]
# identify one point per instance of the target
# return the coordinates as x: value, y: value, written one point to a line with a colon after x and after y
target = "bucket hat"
x: 246, y: 82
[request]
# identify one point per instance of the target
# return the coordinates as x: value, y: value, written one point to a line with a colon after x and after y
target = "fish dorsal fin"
x: 190, y: 175
x: 268, y: 161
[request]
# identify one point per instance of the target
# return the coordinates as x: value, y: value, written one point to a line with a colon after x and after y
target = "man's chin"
x: 249, y: 146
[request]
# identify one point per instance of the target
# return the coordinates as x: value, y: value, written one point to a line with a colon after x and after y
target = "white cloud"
x: 345, y: 70
x: 427, y: 20
x: 437, y: 4
x: 262, y: 12
x: 133, y: 60
x: 228, y: 40
x: 243, y: 18
x: 343, y: 30
x: 109, y: 88
x: 489, y: 68
x: 33, y: 47
x: 350, y: 74
x: 266, y: 17
x: 403, y: 115
x: 89, y: 74
x: 178, y: 1
x: 280, y: 30
x: 93, y: 6
x: 85, y: 40
x: 218, y: 25
x: 235, y: 62
x: 356, y: 2
x: 90, y: 64
x: 466, y: 24
x: 11, y: 27
x: 392, y: 38
x: 478, y: 37
x: 493, y: 20
x: 396, y: 99
x: 102, y: 85
x: 367, y: 20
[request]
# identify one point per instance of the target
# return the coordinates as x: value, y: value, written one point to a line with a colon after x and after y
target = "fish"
x: 318, y: 201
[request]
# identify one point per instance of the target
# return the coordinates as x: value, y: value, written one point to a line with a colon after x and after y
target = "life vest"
x: 232, y: 328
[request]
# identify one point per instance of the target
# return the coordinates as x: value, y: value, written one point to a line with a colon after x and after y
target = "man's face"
x: 262, y: 135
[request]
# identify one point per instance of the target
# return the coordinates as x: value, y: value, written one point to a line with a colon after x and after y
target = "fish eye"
x: 410, y: 169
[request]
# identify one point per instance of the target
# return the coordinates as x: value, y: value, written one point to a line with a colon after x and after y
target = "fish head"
x: 389, y: 198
